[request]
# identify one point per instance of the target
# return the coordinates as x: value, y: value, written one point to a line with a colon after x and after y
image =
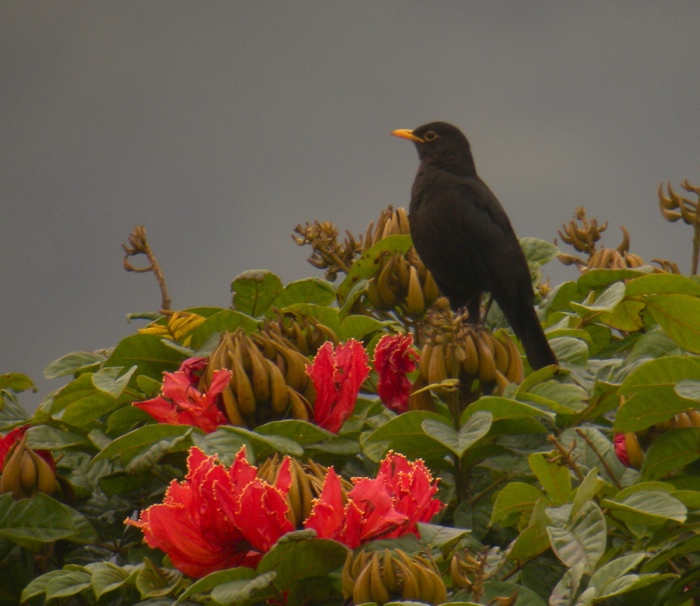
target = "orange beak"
x: 404, y: 133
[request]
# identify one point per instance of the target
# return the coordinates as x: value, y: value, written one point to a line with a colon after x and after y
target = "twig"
x: 139, y: 246
x: 610, y: 472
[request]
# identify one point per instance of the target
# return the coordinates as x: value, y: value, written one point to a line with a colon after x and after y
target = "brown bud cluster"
x: 328, y: 253
x: 385, y: 576
x: 401, y: 280
x: 455, y: 349
x: 674, y: 207
x: 268, y: 379
x: 302, y: 333
x: 307, y: 485
x: 581, y: 233
x: 26, y: 472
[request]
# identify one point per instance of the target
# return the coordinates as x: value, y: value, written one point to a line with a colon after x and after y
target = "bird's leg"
x: 474, y: 310
x: 482, y: 322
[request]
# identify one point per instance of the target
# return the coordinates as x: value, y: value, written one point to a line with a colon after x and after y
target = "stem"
x: 140, y: 246
x: 610, y: 472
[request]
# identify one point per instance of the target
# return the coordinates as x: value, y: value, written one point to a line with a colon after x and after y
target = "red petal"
x: 327, y: 513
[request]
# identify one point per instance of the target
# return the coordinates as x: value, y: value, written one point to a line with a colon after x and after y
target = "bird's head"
x: 443, y: 145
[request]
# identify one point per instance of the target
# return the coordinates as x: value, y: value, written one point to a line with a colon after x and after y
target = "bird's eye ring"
x: 430, y: 136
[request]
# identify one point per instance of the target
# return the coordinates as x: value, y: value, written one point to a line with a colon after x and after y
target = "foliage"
x: 538, y: 509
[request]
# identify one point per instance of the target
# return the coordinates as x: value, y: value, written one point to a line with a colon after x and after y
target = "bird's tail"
x: 528, y: 329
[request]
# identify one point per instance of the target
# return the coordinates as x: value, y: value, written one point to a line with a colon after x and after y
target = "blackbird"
x: 464, y: 237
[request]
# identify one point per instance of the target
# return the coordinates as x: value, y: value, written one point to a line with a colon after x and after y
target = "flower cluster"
x: 388, y: 506
x: 222, y: 517
x: 217, y: 518
x: 394, y: 358
x: 182, y: 403
x: 337, y: 376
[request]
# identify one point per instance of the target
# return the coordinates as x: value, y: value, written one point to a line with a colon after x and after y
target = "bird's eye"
x: 430, y: 136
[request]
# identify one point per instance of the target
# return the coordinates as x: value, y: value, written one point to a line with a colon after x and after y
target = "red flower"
x: 218, y: 518
x: 388, y: 506
x: 181, y: 403
x: 14, y: 436
x: 337, y: 377
x: 394, y: 358
x: 621, y: 449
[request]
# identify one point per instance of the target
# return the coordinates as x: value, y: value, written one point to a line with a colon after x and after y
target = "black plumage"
x: 465, y: 238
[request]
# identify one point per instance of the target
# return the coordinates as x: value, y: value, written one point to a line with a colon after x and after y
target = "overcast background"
x: 222, y: 125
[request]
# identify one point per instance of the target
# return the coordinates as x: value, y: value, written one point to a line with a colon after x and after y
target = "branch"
x: 139, y: 246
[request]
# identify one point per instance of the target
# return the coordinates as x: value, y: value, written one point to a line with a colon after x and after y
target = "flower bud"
x: 307, y: 485
x: 26, y: 472
x: 384, y: 576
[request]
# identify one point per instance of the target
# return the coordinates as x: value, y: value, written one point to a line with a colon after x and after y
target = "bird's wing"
x: 488, y: 242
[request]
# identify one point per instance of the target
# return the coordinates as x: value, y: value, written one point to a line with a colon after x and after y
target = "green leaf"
x: 31, y: 522
x: 213, y: 580
x: 149, y: 353
x: 73, y: 363
x: 107, y: 379
x: 147, y: 459
x: 139, y: 440
x: 610, y: 572
x: 265, y: 445
x: 108, y: 577
x: 625, y: 316
x: 82, y: 402
x: 648, y: 508
x: 512, y: 501
x: 439, y: 537
x: 239, y: 592
x: 308, y: 290
x: 583, y: 540
x: 16, y: 382
x: 503, y: 409
x: 224, y: 444
x: 358, y: 327
x: 554, y: 477
x: 366, y: 266
x: 538, y: 251
x: 662, y: 284
x: 650, y: 392
x: 568, y: 588
x: 586, y: 490
x: 561, y: 398
x: 599, y: 278
x: 67, y: 584
x: 606, y: 300
x: 298, y: 556
x: 254, y: 291
x: 671, y: 452
x: 227, y: 320
x: 38, y: 585
x: 688, y: 389
x: 679, y: 316
x: 301, y: 432
x: 154, y: 582
x: 405, y: 434
x: 458, y: 442
x: 52, y: 438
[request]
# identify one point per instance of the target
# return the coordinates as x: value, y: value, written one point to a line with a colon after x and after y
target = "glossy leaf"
x: 254, y: 291
x: 581, y: 541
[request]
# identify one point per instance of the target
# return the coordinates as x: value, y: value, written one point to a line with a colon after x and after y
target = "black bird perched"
x: 464, y: 237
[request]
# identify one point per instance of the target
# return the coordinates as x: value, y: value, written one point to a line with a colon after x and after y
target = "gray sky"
x: 222, y: 125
